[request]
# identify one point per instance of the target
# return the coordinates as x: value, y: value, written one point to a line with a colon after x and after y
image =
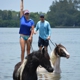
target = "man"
x: 44, y: 32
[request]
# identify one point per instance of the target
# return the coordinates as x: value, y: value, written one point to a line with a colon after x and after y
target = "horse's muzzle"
x: 50, y: 69
x: 67, y: 56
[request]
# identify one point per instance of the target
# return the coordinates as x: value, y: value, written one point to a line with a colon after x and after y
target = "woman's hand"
x: 30, y: 39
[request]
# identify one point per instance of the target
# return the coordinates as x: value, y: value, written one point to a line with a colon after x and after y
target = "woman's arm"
x: 32, y: 29
x: 32, y: 32
x: 21, y: 9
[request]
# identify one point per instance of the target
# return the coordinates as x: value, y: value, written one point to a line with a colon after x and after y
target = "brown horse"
x: 56, y: 54
x: 27, y: 71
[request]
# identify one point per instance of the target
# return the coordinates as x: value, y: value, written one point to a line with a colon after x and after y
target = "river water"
x: 10, y: 51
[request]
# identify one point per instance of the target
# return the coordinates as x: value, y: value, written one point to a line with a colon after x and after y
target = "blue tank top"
x: 25, y: 26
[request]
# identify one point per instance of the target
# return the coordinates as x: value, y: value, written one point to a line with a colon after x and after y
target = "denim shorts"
x: 42, y: 42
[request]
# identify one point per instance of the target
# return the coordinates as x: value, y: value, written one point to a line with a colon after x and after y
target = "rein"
x: 50, y: 46
x: 31, y: 45
x: 52, y: 42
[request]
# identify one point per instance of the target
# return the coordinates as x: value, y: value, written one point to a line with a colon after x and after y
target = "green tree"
x: 4, y: 15
x: 9, y: 15
x: 0, y: 14
x: 35, y: 17
x: 62, y: 13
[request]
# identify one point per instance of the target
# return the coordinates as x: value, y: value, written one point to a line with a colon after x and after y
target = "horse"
x: 55, y: 56
x: 27, y: 70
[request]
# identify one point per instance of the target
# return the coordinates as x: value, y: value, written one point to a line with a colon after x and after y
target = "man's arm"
x: 49, y: 29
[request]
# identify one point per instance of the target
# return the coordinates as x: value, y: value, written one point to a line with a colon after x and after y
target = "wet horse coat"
x: 34, y: 59
x: 56, y: 54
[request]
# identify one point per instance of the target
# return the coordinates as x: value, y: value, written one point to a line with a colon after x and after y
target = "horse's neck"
x: 57, y: 65
x: 56, y: 62
x: 32, y: 68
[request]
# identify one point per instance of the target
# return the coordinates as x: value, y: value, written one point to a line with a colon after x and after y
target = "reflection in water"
x: 44, y: 75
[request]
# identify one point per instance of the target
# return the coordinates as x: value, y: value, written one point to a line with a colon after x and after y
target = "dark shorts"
x: 42, y: 42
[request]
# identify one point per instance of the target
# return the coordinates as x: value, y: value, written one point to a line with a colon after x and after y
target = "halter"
x: 57, y: 54
x: 57, y: 50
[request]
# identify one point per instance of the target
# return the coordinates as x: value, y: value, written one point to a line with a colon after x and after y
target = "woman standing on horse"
x: 26, y: 31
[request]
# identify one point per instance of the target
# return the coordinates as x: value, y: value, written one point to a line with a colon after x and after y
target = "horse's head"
x: 61, y: 51
x: 44, y: 60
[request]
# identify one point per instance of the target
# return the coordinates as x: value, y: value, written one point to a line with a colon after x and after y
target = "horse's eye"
x: 61, y: 50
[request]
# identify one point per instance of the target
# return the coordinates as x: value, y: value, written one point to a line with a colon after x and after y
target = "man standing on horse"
x: 44, y: 32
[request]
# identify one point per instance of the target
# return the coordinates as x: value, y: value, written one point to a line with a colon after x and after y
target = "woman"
x: 26, y: 31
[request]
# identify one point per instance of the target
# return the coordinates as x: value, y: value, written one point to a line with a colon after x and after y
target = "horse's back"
x: 15, y: 69
x: 17, y: 65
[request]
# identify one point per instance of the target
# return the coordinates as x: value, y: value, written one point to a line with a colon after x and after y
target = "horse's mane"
x: 57, y: 48
x: 61, y: 46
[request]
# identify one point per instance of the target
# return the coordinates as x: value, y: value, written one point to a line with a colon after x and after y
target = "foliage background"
x: 61, y: 14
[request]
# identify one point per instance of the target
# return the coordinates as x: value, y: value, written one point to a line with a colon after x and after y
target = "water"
x: 10, y: 51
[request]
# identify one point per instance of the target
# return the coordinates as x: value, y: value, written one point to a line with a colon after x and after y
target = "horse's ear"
x: 60, y: 44
x: 43, y: 50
